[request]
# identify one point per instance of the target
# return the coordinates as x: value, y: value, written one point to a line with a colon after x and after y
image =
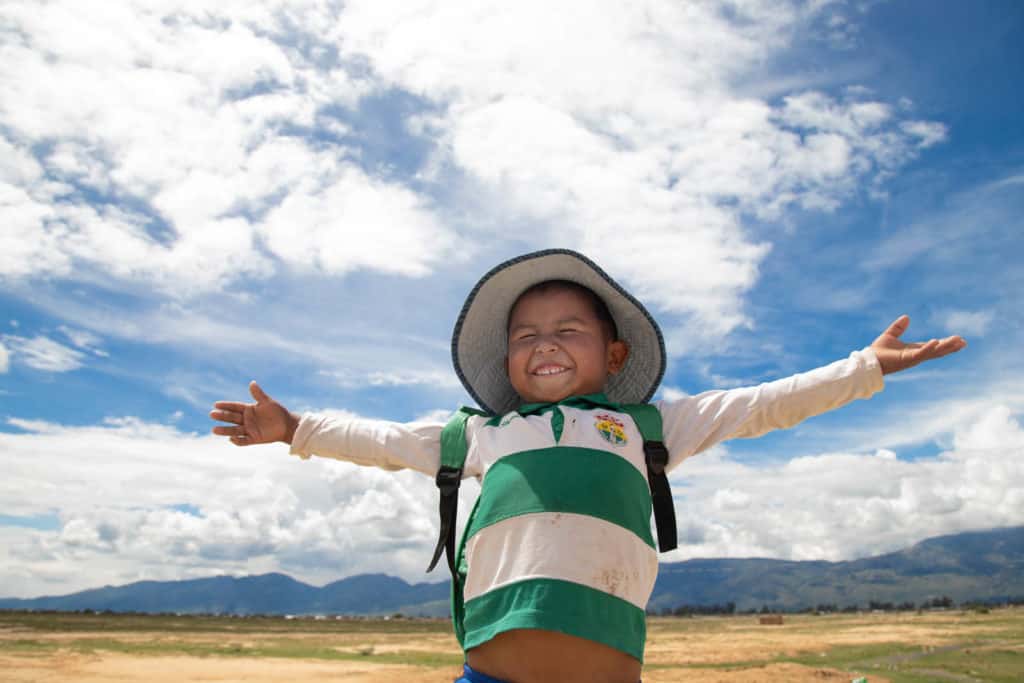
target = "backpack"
x: 453, y: 455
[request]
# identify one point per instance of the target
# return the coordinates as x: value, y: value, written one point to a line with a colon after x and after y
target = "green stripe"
x: 555, y: 605
x: 557, y: 422
x: 453, y: 438
x: 564, y: 479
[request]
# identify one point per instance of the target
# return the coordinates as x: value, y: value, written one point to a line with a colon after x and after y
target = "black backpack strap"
x: 449, y: 476
x: 648, y: 420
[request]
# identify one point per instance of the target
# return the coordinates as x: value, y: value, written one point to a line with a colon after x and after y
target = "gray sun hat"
x: 480, y: 339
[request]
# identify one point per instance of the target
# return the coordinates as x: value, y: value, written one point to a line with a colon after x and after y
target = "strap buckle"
x: 448, y: 479
x: 656, y: 455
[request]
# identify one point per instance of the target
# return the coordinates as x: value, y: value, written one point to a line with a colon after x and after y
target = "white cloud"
x: 203, y: 137
x: 439, y: 415
x: 839, y: 506
x: 84, y: 340
x: 930, y: 419
x: 620, y: 132
x: 43, y: 353
x: 120, y: 490
x: 142, y: 500
x: 970, y: 324
x: 27, y: 248
x: 357, y: 222
x: 5, y: 359
x: 395, y: 378
x: 928, y: 133
x: 997, y: 428
x: 594, y: 126
x: 670, y: 393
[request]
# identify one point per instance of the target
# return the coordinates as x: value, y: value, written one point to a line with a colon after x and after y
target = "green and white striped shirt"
x: 560, y: 538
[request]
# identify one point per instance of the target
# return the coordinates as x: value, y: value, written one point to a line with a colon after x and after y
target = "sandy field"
x: 105, y: 668
x: 833, y: 648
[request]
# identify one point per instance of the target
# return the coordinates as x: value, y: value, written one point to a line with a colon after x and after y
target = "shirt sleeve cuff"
x: 875, y: 376
x: 307, y: 425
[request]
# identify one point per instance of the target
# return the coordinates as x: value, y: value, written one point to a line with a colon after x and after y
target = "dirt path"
x: 101, y: 667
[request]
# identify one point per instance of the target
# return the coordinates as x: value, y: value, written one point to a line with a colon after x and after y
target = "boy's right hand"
x: 264, y: 421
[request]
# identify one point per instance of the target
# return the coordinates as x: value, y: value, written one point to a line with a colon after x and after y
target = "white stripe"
x: 559, y: 545
x: 488, y: 445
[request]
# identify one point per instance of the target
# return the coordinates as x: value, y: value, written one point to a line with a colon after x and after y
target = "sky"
x: 194, y: 195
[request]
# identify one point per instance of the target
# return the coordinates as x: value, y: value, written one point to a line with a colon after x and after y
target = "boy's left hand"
x: 895, y: 355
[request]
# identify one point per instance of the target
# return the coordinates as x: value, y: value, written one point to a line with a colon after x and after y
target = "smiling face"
x: 558, y: 346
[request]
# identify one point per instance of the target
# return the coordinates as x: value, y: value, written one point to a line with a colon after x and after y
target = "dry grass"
x: 901, y: 648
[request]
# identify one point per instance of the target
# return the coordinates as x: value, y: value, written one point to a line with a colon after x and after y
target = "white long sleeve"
x: 388, y: 445
x: 695, y: 423
x: 690, y: 425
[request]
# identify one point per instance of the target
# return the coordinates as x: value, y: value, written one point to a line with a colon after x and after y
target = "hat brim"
x: 480, y: 338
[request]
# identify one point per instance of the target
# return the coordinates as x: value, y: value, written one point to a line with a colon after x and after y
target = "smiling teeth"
x: 548, y: 371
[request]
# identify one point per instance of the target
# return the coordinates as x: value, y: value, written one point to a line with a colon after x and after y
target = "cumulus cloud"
x: 234, y: 154
x: 145, y: 500
x: 357, y: 222
x: 583, y: 124
x: 170, y: 185
x: 844, y: 505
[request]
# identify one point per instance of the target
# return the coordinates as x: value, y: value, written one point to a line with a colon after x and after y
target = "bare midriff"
x: 537, y: 656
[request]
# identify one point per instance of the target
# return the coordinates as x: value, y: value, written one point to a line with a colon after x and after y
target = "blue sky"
x: 304, y: 192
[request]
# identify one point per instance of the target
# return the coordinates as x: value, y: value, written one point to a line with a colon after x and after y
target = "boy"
x: 557, y: 561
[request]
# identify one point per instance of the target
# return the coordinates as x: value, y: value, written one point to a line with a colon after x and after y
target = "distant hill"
x: 973, y: 566
x: 265, y: 594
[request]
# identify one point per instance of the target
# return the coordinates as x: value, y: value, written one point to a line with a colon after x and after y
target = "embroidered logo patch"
x: 610, y: 429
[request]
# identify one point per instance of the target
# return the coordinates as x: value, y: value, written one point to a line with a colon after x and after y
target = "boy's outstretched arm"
x: 895, y: 355
x: 264, y: 421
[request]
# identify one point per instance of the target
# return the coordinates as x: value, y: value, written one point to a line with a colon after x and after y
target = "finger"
x: 955, y: 340
x: 226, y: 416
x: 258, y: 393
x: 950, y: 345
x: 925, y: 351
x: 240, y: 441
x: 898, y: 326
x: 233, y: 406
x: 229, y: 431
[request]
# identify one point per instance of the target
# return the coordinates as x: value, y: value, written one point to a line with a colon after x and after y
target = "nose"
x: 544, y: 344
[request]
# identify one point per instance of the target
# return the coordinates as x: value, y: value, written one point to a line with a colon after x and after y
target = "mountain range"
x: 982, y: 566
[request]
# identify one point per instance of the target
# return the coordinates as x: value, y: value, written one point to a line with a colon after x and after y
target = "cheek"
x: 515, y: 362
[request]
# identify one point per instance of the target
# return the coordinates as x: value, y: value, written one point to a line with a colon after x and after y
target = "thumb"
x: 258, y: 393
x: 898, y: 326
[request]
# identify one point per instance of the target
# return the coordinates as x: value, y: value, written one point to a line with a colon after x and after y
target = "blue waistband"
x: 470, y: 676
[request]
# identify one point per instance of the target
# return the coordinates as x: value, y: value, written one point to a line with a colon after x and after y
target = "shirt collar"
x: 598, y: 400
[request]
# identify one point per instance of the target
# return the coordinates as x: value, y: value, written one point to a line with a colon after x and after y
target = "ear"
x: 506, y: 366
x: 618, y: 352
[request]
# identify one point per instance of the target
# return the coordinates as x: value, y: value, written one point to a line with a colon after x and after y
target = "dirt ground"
x: 725, y: 650
x: 66, y: 667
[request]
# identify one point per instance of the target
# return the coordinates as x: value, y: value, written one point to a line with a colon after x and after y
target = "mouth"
x: 548, y: 370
